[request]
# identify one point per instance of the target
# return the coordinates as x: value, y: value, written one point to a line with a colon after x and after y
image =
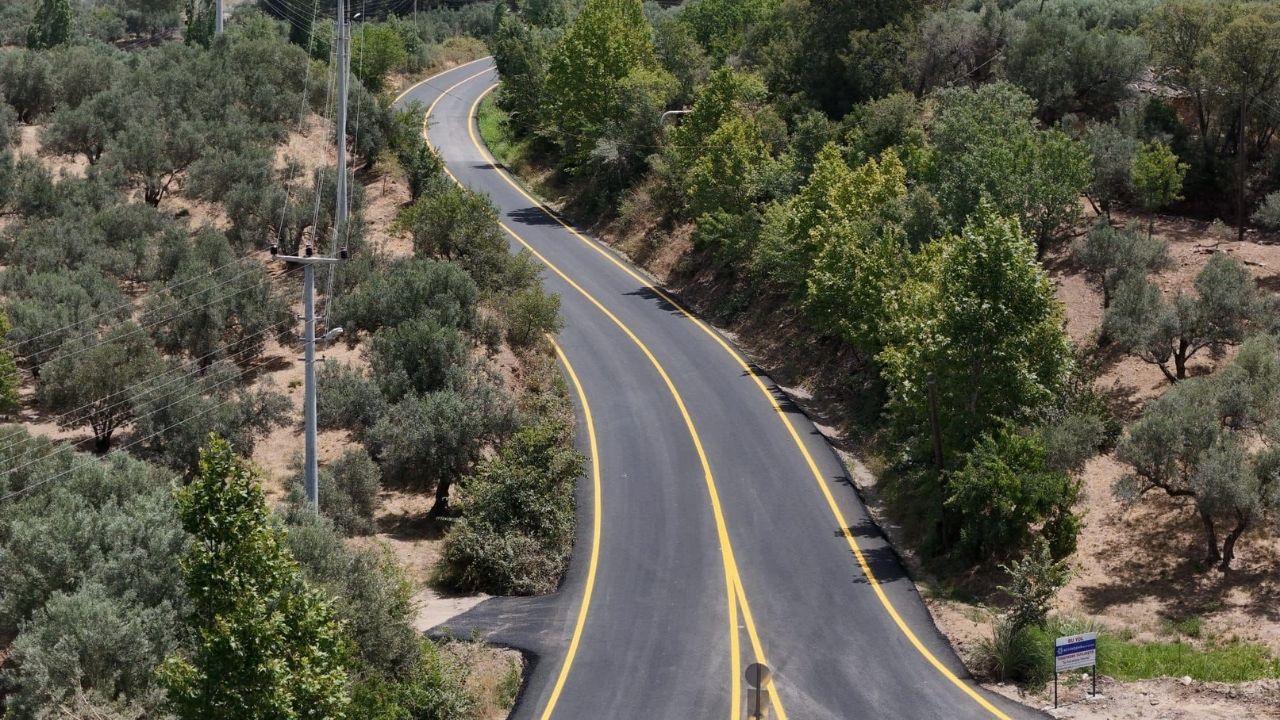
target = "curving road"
x: 718, y: 528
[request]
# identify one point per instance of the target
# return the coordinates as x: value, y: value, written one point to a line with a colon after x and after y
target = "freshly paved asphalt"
x: 656, y: 641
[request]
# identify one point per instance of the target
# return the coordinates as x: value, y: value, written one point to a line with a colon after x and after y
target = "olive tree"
x: 87, y: 382
x: 1168, y: 333
x: 1108, y: 255
x: 1213, y: 440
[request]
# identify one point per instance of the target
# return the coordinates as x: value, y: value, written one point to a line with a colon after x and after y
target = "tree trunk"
x: 441, y: 506
x: 1211, y: 555
x: 1180, y: 359
x: 102, y: 442
x: 1242, y: 168
x: 935, y: 427
x: 1229, y: 545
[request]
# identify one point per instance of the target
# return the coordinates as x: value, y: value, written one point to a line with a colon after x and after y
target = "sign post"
x: 758, y: 676
x: 1073, y: 652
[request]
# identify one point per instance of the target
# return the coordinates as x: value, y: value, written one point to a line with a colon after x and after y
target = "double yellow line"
x: 735, y: 591
x: 735, y: 595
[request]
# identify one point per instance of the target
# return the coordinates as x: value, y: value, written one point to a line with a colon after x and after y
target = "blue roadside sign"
x: 1075, y: 651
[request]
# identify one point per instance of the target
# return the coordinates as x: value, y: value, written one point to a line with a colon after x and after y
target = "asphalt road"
x: 729, y: 532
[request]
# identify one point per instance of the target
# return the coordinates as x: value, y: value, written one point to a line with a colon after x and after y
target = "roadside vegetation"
x: 900, y: 188
x: 152, y: 564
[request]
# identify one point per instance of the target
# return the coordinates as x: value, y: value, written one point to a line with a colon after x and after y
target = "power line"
x: 153, y: 388
x: 126, y: 306
x: 147, y: 326
x: 27, y: 488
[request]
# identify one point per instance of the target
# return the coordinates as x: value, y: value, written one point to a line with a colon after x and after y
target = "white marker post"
x: 1073, y: 652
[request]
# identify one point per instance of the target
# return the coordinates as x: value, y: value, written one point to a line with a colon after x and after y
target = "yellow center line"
x: 737, y: 596
x: 730, y: 568
x: 595, y: 531
x: 786, y: 421
x: 732, y: 582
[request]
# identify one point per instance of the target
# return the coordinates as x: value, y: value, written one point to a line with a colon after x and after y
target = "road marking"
x: 732, y: 582
x: 423, y: 81
x: 595, y: 531
x: 782, y: 415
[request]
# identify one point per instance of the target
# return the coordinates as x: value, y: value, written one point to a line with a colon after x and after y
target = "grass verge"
x: 1210, y: 660
x: 496, y: 133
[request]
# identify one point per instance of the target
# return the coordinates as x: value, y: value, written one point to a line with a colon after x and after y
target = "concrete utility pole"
x: 217, y: 17
x: 309, y: 260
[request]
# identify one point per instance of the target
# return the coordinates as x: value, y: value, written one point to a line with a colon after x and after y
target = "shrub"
x: 517, y: 520
x: 347, y: 399
x: 348, y: 492
x: 1005, y: 492
x: 409, y: 288
x: 531, y: 314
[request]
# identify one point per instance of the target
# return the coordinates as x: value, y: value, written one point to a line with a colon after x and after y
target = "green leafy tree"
x: 418, y: 356
x: 200, y: 22
x: 721, y: 25
x: 223, y: 309
x: 1223, y: 311
x: 1212, y: 440
x: 87, y: 128
x: 974, y: 335
x: 520, y: 53
x: 1071, y: 66
x: 1109, y: 255
x: 986, y: 146
x: 1005, y: 496
x: 52, y: 25
x: 268, y: 646
x: 410, y: 288
x: 154, y: 151
x: 730, y: 173
x: 1245, y: 61
x: 433, y: 439
x: 1157, y: 178
x: 88, y: 381
x: 28, y: 82
x: 177, y: 410
x: 680, y: 54
x: 1113, y: 153
x: 458, y: 224
x: 376, y: 49
x: 605, y: 42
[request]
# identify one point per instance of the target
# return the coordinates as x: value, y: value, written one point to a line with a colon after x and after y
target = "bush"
x: 1014, y: 653
x: 531, y: 314
x: 347, y: 399
x: 517, y: 523
x: 1005, y: 492
x: 348, y: 492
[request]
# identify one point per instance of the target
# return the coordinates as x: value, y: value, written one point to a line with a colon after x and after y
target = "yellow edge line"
x: 726, y: 551
x: 414, y: 86
x: 595, y: 531
x: 795, y: 436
